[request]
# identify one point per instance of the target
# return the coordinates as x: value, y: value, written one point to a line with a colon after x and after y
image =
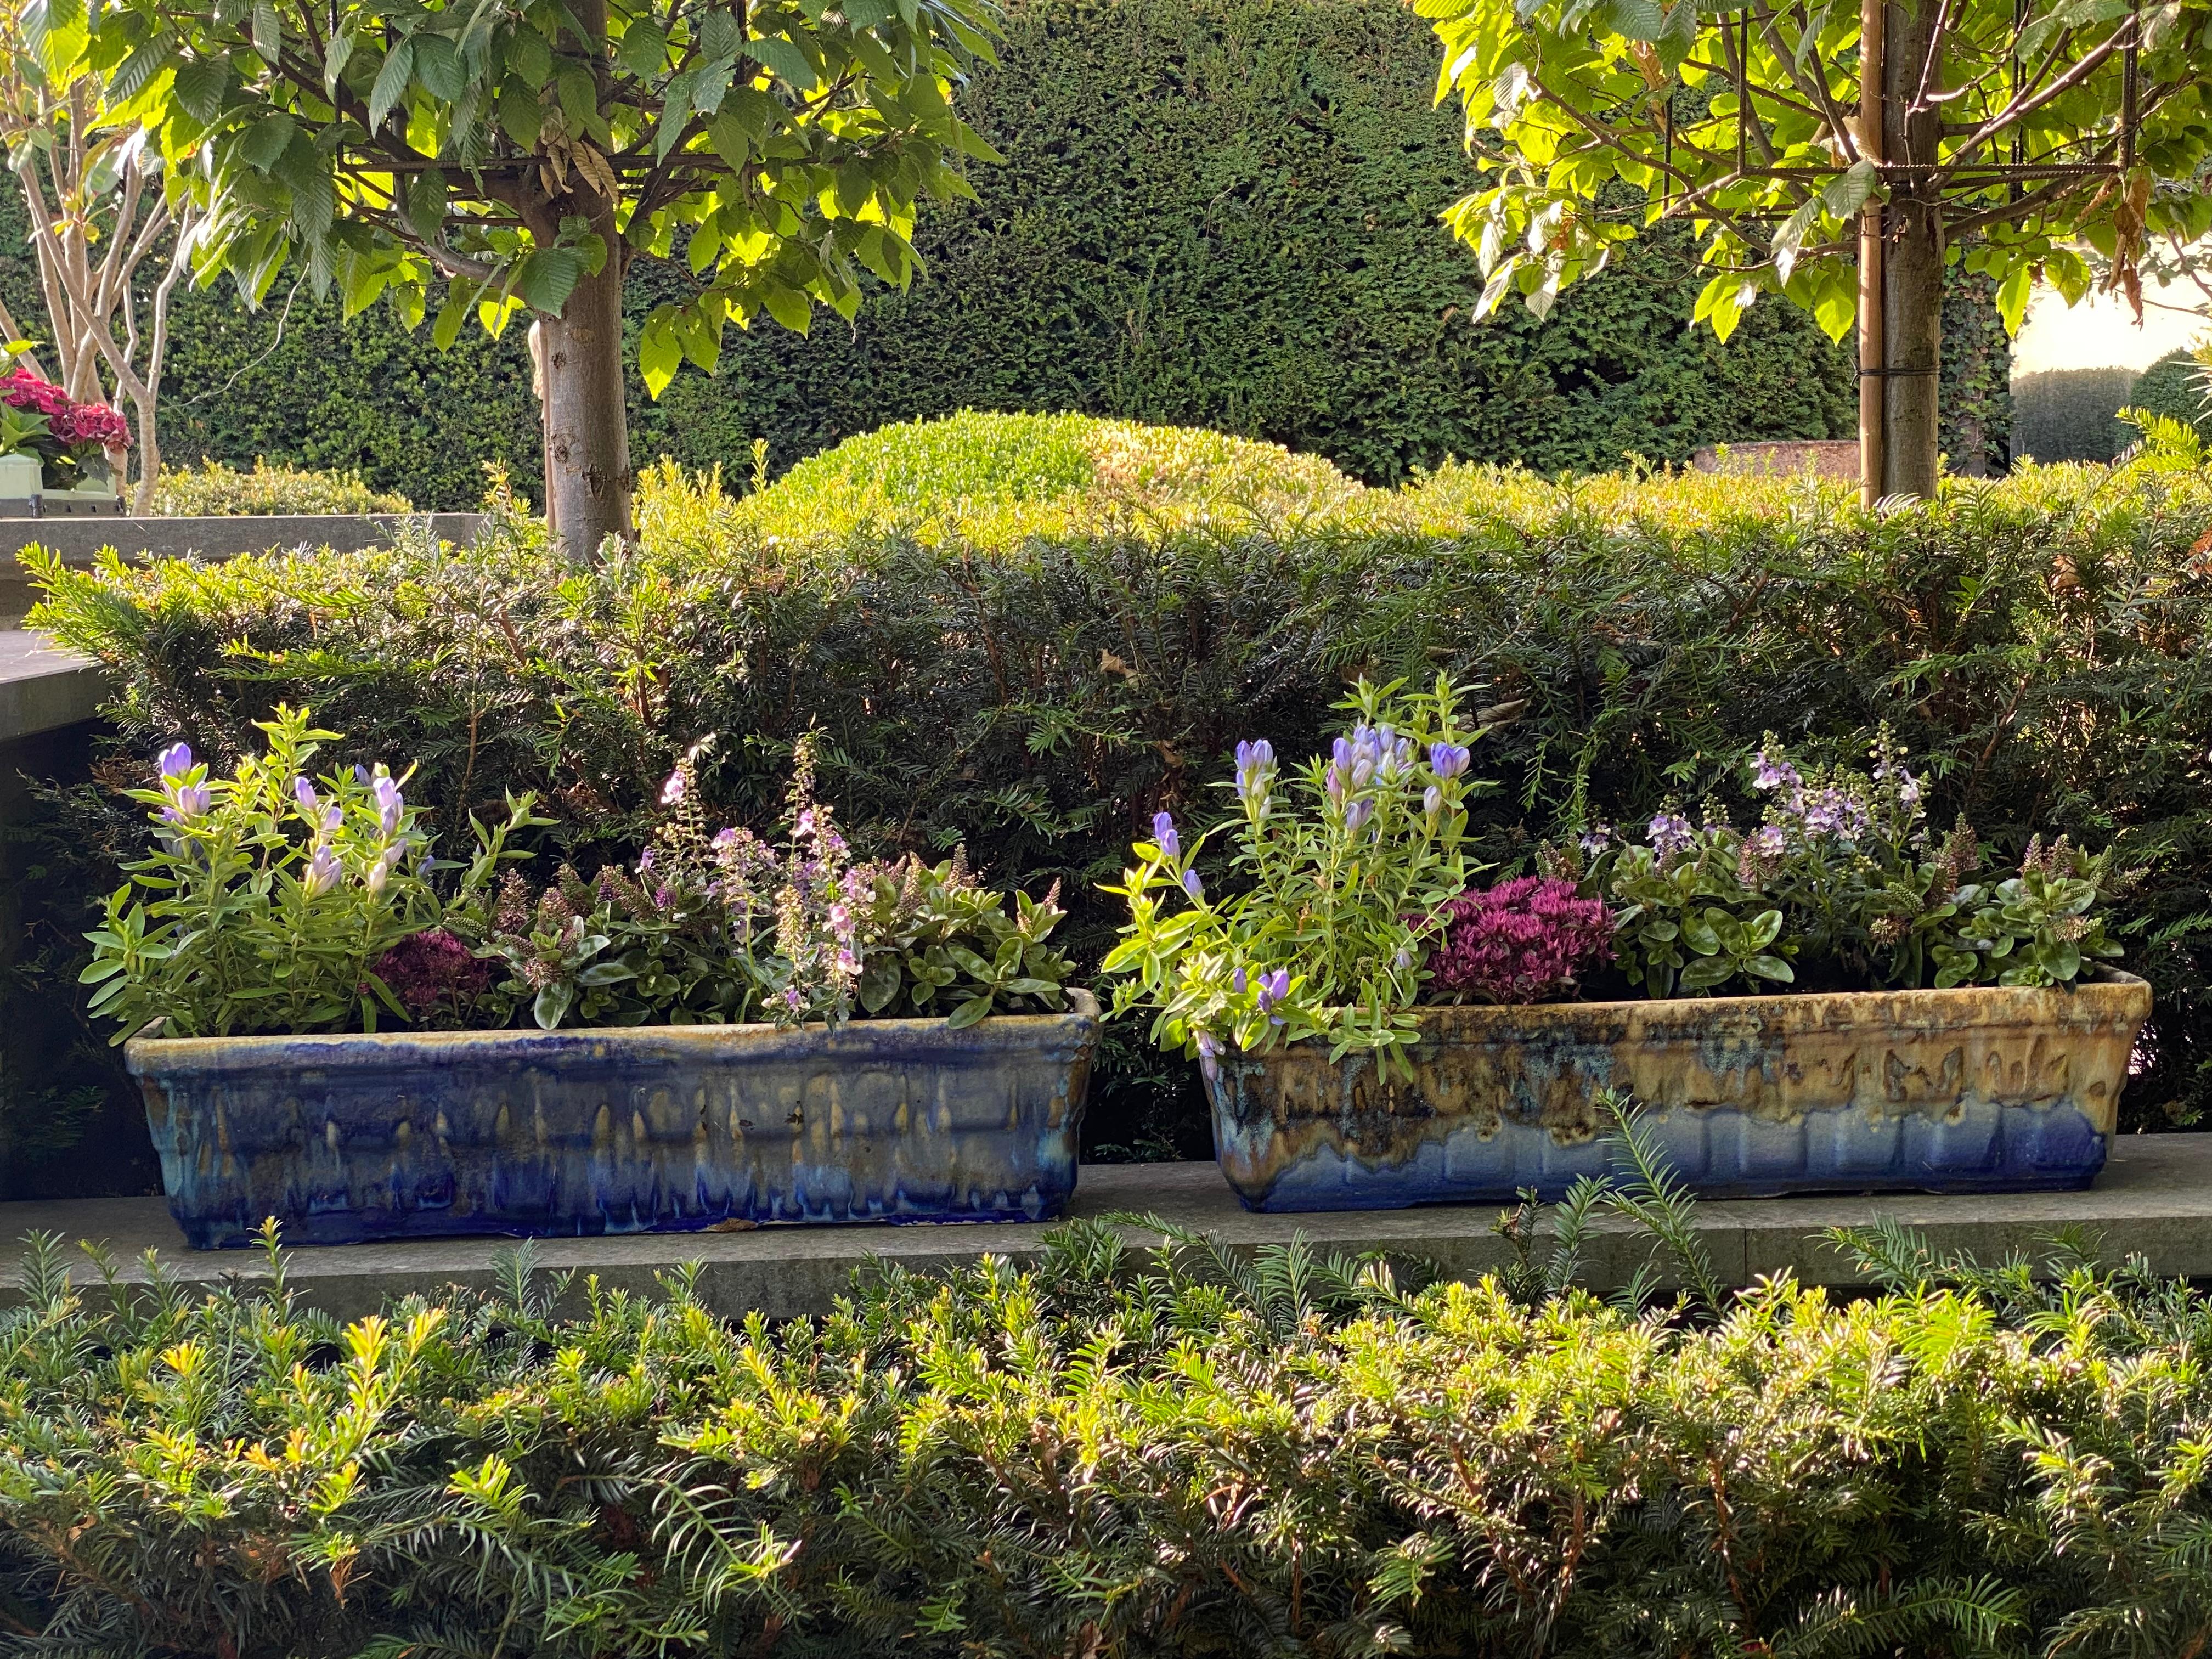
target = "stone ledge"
x: 42, y: 688
x: 2155, y: 1200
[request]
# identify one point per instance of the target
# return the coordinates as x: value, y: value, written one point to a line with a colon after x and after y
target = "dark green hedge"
x: 2073, y: 414
x: 1212, y: 212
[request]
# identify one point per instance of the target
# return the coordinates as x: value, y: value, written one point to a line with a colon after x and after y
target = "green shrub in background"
x: 217, y: 491
x: 1113, y: 1453
x: 1219, y: 213
x: 2178, y: 385
x: 2072, y: 414
x: 1037, y: 672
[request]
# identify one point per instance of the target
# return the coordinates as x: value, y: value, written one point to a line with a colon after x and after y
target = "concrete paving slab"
x: 2155, y: 1199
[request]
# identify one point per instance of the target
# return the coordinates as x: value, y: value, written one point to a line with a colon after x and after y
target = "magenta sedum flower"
x: 430, y: 972
x: 1521, y: 941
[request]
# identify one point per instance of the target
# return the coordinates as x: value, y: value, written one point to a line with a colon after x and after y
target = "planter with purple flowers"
x: 334, y: 1027
x: 1979, y: 1089
x: 1833, y: 999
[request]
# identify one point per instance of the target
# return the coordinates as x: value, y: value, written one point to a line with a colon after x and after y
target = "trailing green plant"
x: 1341, y: 881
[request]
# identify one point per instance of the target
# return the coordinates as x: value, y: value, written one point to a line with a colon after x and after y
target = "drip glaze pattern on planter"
x: 1986, y: 1089
x: 662, y: 1129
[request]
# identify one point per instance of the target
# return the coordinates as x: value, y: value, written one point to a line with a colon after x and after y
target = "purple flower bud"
x: 176, y: 760
x: 1357, y: 815
x: 1448, y: 760
x: 1237, y: 982
x: 1165, y: 836
x: 323, y: 872
x: 334, y: 815
x: 1273, y: 988
x: 1192, y: 885
x: 389, y: 804
x: 188, y: 801
x: 304, y: 793
x: 362, y: 775
x: 1432, y: 802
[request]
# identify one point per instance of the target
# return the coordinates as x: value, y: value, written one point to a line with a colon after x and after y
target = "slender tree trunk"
x: 1913, y: 265
x: 588, y: 475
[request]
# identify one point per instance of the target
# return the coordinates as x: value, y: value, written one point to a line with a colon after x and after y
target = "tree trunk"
x: 587, y: 473
x: 1913, y: 263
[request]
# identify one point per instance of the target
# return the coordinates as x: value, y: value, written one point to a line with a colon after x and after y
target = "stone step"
x: 2155, y: 1199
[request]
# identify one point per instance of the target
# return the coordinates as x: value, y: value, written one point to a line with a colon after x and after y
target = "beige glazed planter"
x: 1981, y: 1089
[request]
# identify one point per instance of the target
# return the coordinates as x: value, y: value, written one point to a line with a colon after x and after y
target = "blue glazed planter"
x: 657, y: 1129
x: 1986, y: 1088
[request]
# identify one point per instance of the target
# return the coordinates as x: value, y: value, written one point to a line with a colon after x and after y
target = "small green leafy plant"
x: 268, y: 896
x: 1841, y: 886
x: 271, y: 903
x: 1332, y: 896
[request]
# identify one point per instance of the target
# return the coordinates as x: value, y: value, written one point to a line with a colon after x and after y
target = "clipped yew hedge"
x: 1115, y: 1454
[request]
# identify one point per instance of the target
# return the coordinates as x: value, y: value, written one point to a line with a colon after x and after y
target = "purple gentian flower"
x: 1432, y: 802
x: 175, y: 761
x: 304, y: 793
x: 1357, y: 815
x: 1192, y: 885
x: 186, y: 802
x: 1165, y: 836
x: 389, y: 804
x: 1273, y: 988
x: 1255, y: 767
x: 1448, y: 760
x: 1237, y: 982
x: 323, y: 872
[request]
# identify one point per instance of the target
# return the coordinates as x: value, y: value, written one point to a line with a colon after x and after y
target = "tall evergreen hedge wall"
x: 1212, y: 212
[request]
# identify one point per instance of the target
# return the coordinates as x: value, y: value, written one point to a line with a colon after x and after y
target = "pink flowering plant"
x: 726, y: 926
x: 1842, y: 885
x: 1524, y: 940
x: 1329, y: 904
x: 270, y: 896
x: 70, y: 437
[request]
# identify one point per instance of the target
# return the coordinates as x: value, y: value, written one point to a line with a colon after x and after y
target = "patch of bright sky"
x: 2101, y: 333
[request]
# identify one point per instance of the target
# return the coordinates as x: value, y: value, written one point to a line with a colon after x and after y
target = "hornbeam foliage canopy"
x: 2065, y: 140
x: 388, y: 146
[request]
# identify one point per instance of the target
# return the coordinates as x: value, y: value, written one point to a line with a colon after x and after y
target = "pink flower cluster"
x: 1520, y: 941
x: 73, y: 424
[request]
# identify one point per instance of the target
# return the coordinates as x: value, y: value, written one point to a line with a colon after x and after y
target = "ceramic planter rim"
x: 147, y: 1049
x: 2032, y: 1002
